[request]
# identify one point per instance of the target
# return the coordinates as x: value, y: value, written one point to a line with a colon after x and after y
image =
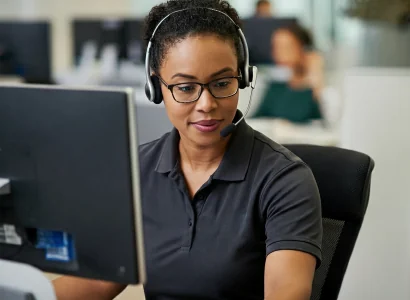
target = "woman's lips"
x: 207, y: 125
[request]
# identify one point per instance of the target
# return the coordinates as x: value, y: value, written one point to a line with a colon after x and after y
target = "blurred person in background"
x: 296, y: 99
x: 263, y: 9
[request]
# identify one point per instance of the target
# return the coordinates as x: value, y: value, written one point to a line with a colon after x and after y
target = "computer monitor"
x: 258, y: 32
x: 134, y: 41
x: 25, y: 50
x: 74, y: 203
x: 100, y: 31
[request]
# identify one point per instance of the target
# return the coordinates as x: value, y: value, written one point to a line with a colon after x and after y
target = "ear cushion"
x: 250, y: 74
x: 157, y: 90
x: 243, y: 84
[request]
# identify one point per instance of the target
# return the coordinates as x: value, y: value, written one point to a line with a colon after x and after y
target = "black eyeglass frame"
x: 203, y: 86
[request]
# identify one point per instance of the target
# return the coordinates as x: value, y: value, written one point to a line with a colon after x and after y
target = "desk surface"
x: 284, y: 132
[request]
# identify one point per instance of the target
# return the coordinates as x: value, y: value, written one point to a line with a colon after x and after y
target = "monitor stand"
x: 23, y: 282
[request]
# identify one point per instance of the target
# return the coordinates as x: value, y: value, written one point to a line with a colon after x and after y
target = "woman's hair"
x: 188, y: 23
x: 301, y: 34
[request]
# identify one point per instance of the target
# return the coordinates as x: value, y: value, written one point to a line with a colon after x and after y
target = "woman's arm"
x: 314, y: 66
x: 72, y: 288
x: 293, y: 228
x: 289, y: 275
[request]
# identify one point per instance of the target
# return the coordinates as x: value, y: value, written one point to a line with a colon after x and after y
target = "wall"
x: 376, y: 122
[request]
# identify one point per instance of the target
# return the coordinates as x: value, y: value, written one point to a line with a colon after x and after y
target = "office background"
x: 375, y: 113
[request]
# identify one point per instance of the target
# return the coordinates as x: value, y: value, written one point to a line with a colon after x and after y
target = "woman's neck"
x: 201, y: 159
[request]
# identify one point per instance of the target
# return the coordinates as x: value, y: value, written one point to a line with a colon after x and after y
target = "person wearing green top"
x: 298, y: 99
x: 282, y: 101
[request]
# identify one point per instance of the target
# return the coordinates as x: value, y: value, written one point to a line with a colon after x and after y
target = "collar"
x: 235, y: 162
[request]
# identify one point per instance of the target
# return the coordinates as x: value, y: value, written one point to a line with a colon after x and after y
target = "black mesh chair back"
x: 343, y: 177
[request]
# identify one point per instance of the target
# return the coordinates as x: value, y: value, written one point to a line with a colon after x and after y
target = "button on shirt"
x: 262, y: 198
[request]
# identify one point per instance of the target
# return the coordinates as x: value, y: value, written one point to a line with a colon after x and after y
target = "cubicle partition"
x: 376, y: 121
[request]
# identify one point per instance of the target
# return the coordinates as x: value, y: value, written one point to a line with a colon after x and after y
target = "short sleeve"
x: 291, y: 209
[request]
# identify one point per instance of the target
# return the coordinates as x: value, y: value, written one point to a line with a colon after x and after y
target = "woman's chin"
x: 206, y: 139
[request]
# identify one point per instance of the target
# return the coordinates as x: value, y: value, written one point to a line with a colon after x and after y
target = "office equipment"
x: 343, y: 177
x: 285, y: 132
x: 258, y: 32
x: 23, y: 282
x: 134, y: 40
x: 102, y: 32
x: 25, y: 50
x: 73, y: 206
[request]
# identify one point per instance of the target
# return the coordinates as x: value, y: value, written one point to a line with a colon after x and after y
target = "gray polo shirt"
x: 262, y: 198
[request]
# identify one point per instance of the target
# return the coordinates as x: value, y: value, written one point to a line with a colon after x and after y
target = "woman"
x: 295, y: 100
x: 224, y: 218
x: 292, y: 47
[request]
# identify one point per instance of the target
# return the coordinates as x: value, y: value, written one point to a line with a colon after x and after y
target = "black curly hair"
x: 192, y: 22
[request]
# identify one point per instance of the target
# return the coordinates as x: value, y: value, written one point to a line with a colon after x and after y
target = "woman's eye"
x: 186, y: 88
x: 222, y: 84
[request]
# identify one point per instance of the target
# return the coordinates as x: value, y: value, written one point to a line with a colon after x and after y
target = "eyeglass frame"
x: 203, y: 86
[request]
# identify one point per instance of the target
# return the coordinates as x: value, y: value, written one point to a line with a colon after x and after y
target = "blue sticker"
x: 58, y: 245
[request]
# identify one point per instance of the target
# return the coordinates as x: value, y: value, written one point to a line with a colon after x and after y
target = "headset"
x: 248, y: 73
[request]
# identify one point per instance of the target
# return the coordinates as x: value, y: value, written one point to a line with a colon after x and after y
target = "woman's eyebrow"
x: 183, y: 76
x: 224, y: 70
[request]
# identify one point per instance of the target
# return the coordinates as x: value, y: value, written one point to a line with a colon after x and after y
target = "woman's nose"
x: 206, y: 101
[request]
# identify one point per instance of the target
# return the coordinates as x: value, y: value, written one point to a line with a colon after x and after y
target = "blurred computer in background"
x: 25, y: 50
x: 134, y: 40
x: 258, y: 32
x: 101, y: 32
x: 124, y: 34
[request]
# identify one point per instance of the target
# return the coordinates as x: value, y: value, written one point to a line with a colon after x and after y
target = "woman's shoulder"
x: 271, y: 150
x: 153, y: 149
x: 272, y: 159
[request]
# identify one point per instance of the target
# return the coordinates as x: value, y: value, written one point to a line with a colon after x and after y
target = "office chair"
x: 343, y: 177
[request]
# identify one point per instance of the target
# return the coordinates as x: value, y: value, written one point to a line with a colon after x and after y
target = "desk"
x: 284, y: 132
x: 6, y: 79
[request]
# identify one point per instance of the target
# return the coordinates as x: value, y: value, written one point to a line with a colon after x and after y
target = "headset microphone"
x: 231, y: 127
x: 228, y: 130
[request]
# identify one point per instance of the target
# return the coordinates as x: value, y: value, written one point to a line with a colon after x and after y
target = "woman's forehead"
x: 200, y: 54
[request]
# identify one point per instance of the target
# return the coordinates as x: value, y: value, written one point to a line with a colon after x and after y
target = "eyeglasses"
x: 191, y: 91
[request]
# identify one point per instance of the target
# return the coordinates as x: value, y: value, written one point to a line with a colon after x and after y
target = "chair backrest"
x: 343, y: 177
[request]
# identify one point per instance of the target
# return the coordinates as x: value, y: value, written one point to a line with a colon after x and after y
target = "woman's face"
x: 286, y: 49
x: 201, y: 58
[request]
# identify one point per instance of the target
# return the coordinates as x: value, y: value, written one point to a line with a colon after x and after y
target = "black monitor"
x: 25, y: 50
x: 100, y: 31
x: 72, y: 161
x: 134, y: 41
x: 258, y: 32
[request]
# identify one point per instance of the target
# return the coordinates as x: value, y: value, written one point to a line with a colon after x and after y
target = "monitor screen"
x: 258, y: 32
x: 102, y: 32
x: 25, y: 50
x: 134, y: 41
x: 73, y: 205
